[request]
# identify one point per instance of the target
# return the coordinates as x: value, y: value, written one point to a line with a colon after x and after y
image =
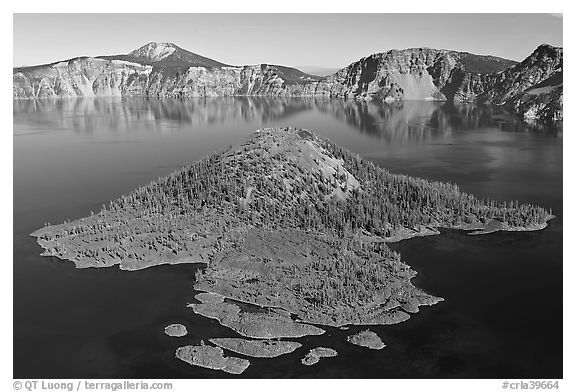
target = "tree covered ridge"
x: 276, y: 178
x: 400, y: 200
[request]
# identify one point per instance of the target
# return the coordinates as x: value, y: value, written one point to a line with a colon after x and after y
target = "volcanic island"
x: 288, y: 221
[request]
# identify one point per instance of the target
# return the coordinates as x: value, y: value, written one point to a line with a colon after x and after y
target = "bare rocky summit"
x: 166, y: 55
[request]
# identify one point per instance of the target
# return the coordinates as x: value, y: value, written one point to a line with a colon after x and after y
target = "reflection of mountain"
x: 416, y: 120
x: 396, y: 121
x: 119, y: 114
x: 392, y: 121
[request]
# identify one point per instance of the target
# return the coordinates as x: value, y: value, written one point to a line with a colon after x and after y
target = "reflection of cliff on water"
x: 120, y: 114
x: 417, y: 120
x: 401, y: 121
x: 395, y: 121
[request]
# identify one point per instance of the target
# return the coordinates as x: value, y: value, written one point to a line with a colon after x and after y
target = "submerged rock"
x: 316, y: 354
x: 175, y: 330
x: 368, y: 339
x: 256, y: 348
x: 212, y: 358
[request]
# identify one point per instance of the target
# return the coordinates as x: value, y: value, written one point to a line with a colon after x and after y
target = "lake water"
x: 502, y: 317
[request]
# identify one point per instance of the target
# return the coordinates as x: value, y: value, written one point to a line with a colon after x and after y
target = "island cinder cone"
x: 289, y: 220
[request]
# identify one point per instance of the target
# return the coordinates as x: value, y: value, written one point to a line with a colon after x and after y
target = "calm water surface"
x: 502, y: 317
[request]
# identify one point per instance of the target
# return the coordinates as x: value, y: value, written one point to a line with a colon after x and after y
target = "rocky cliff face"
x: 80, y: 77
x: 90, y: 77
x: 411, y: 74
x: 532, y: 88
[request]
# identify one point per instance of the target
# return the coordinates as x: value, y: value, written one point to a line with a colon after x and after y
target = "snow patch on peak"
x: 129, y: 64
x: 155, y: 51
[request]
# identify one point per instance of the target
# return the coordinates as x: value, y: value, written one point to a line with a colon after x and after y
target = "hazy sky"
x: 324, y: 40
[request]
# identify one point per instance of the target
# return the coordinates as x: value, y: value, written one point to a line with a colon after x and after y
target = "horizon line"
x: 275, y: 63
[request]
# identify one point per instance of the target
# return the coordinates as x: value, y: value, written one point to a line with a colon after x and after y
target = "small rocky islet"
x: 289, y: 222
x: 368, y: 339
x: 315, y: 354
x: 176, y: 330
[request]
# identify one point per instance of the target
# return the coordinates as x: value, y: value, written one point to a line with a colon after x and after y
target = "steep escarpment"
x: 90, y: 77
x: 80, y: 77
x: 411, y: 74
x: 543, y: 102
x: 532, y: 88
x: 165, y: 70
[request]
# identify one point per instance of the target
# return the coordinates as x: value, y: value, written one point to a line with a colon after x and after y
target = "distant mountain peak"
x: 167, y: 54
x: 155, y: 51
